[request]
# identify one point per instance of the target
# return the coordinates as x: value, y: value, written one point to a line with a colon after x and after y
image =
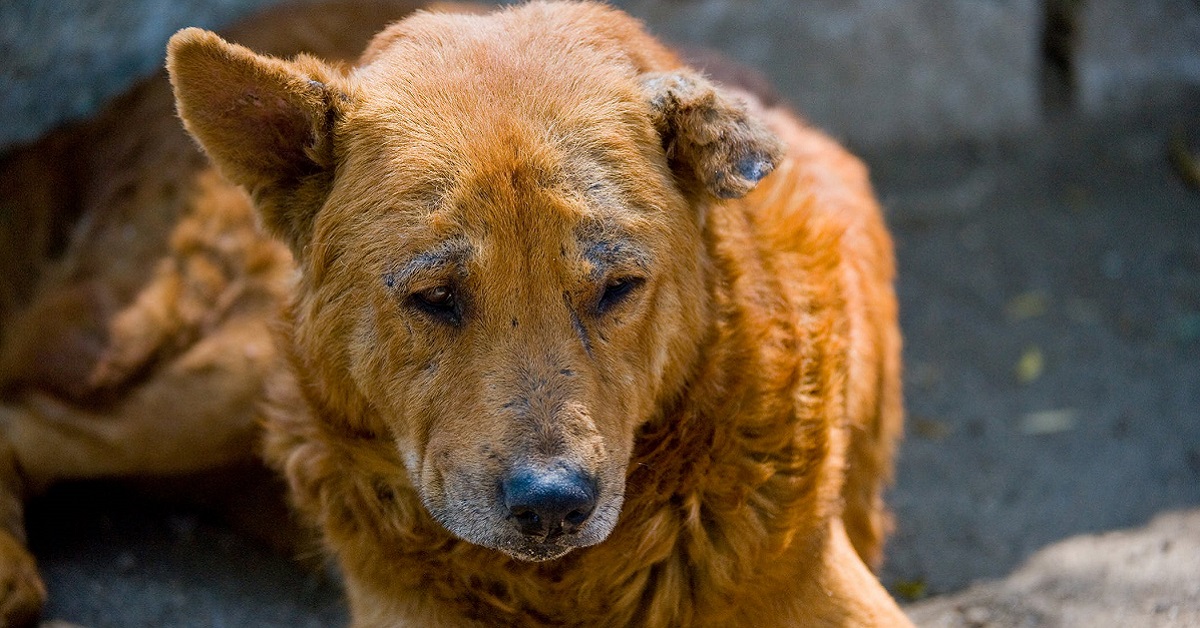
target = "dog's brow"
x: 451, y: 253
x: 607, y: 252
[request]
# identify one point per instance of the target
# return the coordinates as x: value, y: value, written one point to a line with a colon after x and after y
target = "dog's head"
x: 498, y: 222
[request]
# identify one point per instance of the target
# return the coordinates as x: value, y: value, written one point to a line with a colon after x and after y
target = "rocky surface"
x: 874, y: 72
x: 1149, y: 576
x: 877, y: 71
x: 1050, y: 299
x: 61, y: 61
x: 1130, y: 52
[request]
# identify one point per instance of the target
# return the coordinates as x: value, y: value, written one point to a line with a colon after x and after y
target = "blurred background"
x: 873, y: 72
x: 1039, y: 161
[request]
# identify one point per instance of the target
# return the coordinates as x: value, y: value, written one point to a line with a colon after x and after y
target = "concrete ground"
x: 1050, y: 290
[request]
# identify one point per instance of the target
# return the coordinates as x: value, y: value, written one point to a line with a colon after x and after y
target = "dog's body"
x: 552, y: 354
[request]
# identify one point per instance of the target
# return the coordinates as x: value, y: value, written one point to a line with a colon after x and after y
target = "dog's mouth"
x: 528, y: 520
x: 519, y: 543
x: 503, y: 535
x: 535, y: 551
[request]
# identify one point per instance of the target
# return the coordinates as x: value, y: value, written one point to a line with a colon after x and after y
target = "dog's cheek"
x: 434, y: 414
x: 661, y: 351
x: 393, y: 370
x: 459, y: 481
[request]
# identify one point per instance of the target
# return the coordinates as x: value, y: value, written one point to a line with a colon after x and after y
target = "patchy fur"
x: 528, y: 248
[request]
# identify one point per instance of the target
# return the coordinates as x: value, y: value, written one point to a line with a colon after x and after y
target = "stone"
x: 1130, y: 54
x: 878, y: 72
x: 1139, y: 577
x: 870, y: 71
x: 61, y: 61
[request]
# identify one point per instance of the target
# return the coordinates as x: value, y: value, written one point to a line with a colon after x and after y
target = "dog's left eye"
x: 438, y: 301
x: 616, y: 291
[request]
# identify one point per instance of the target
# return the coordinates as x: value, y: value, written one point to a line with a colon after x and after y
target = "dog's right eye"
x: 439, y: 301
x: 616, y: 291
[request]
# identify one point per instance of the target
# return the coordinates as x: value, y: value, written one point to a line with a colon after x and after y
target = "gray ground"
x: 1050, y: 289
x: 1050, y: 294
x: 1080, y: 245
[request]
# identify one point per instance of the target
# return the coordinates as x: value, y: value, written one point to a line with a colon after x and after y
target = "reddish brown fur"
x: 739, y: 409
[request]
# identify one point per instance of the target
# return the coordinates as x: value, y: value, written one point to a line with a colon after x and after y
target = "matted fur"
x: 748, y: 410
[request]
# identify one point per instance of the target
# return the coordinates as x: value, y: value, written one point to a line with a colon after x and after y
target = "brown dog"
x: 576, y: 337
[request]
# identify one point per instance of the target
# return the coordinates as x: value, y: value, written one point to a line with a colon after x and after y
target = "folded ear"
x: 266, y: 123
x: 709, y: 135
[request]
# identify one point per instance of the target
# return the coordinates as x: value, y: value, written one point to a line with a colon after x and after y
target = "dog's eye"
x: 617, y: 290
x: 438, y: 301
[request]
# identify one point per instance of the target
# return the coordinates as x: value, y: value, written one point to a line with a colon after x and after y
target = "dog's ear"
x: 266, y: 123
x: 709, y: 135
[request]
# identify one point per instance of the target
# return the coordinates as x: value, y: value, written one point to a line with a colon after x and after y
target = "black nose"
x: 548, y: 502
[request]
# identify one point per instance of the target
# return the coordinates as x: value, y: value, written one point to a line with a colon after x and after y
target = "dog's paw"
x: 22, y: 593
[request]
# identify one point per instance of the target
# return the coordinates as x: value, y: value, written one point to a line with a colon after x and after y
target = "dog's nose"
x: 549, y: 502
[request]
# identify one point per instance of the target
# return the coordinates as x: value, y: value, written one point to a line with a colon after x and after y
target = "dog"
x: 540, y: 325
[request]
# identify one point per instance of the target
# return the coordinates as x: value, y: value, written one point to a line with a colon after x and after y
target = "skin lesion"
x: 577, y: 325
x: 452, y: 254
x: 432, y: 281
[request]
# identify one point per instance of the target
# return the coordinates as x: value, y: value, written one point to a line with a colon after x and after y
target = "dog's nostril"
x: 549, y: 502
x: 526, y: 519
x: 577, y: 517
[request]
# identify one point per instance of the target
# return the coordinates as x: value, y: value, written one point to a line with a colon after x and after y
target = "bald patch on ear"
x: 710, y: 136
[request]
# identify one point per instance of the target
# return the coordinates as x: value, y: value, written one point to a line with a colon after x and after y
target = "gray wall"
x: 874, y: 72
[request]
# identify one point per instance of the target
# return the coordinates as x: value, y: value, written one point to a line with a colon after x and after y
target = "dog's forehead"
x: 580, y: 32
x: 474, y: 127
x: 453, y: 79
x: 486, y: 111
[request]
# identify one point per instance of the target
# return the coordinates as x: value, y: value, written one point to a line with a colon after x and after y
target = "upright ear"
x: 710, y: 137
x: 266, y: 123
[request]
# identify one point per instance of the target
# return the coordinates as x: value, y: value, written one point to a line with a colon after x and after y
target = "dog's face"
x: 526, y: 279
x: 499, y: 259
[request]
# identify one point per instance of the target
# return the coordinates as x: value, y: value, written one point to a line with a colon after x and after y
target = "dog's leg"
x: 22, y: 592
x: 876, y: 424
x: 197, y: 412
